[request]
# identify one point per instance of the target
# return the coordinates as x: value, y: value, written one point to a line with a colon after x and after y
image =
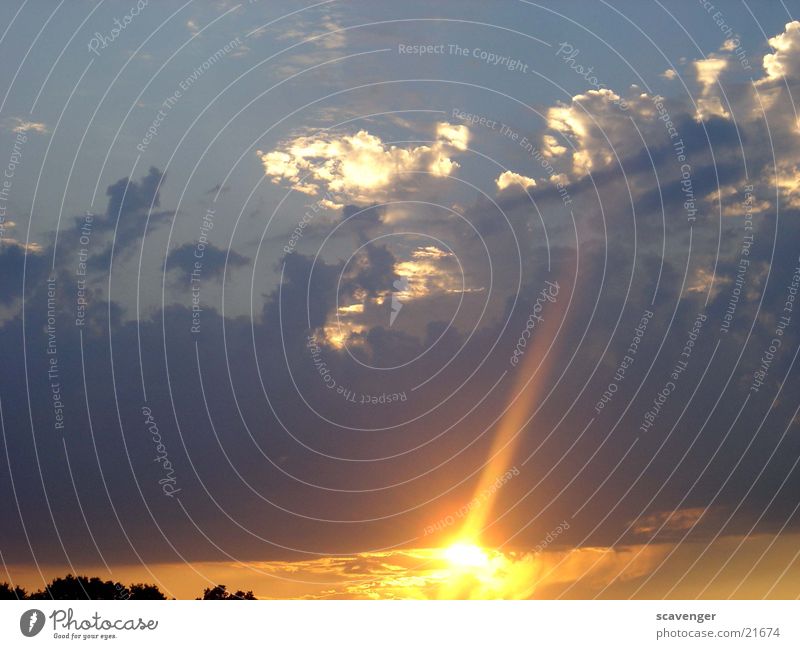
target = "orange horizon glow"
x: 467, y: 573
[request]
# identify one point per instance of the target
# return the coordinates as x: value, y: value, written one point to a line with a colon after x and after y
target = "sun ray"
x: 527, y: 391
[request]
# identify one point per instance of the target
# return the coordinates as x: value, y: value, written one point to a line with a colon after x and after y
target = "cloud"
x: 366, y: 281
x: 598, y: 126
x: 509, y: 178
x: 457, y: 135
x: 430, y: 252
x: 328, y: 36
x: 131, y: 204
x: 360, y: 167
x: 678, y: 520
x: 377, y: 279
x: 319, y: 34
x: 430, y: 573
x: 786, y: 179
x: 12, y: 258
x: 20, y: 125
x: 430, y: 271
x: 708, y: 72
x: 127, y: 197
x: 6, y: 227
x: 701, y: 282
x: 784, y: 62
x: 213, y: 259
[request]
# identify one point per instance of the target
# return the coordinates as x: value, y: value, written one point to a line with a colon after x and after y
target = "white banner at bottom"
x: 389, y: 624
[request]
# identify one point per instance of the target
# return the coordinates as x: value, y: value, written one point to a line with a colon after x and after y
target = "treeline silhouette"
x: 82, y: 587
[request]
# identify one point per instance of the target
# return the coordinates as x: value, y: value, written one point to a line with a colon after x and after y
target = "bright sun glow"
x: 466, y: 555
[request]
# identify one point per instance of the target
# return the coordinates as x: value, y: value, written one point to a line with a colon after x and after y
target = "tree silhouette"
x: 144, y: 591
x: 82, y: 587
x: 7, y: 591
x: 71, y: 587
x: 221, y: 592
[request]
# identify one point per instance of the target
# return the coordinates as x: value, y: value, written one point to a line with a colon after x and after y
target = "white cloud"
x: 708, y: 72
x: 786, y: 179
x: 509, y: 178
x: 456, y: 135
x: 20, y: 125
x: 785, y: 60
x: 360, y: 167
x: 598, y: 124
x: 430, y: 252
x: 552, y: 147
x: 704, y: 281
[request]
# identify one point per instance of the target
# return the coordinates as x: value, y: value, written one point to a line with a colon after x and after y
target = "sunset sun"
x: 466, y: 555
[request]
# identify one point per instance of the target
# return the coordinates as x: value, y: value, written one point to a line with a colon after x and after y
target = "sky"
x: 356, y: 299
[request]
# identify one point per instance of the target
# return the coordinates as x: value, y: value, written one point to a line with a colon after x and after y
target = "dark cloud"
x: 13, y: 261
x: 131, y: 206
x: 372, y: 271
x: 213, y: 259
